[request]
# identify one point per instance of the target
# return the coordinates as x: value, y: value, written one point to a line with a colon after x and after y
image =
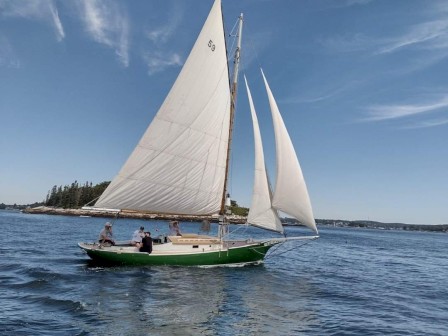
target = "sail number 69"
x: 211, y: 45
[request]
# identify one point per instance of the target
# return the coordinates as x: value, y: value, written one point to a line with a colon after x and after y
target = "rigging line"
x: 255, y: 249
x: 273, y: 252
x: 275, y: 248
x: 251, y: 44
x: 293, y: 247
x: 92, y: 201
x: 245, y: 226
x: 234, y: 27
x: 231, y: 34
x: 283, y: 252
x: 229, y: 57
x: 115, y: 217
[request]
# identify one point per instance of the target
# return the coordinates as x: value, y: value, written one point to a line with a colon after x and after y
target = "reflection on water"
x: 163, y: 300
x: 193, y: 300
x: 281, y: 305
x: 184, y: 300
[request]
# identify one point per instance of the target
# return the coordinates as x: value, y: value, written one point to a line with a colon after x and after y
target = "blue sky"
x: 362, y: 86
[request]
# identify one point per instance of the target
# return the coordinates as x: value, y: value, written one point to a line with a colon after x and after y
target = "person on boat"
x: 205, y: 226
x: 106, y: 235
x: 137, y: 236
x: 146, y: 243
x: 174, y: 229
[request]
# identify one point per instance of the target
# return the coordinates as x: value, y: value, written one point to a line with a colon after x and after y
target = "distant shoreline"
x: 367, y: 224
x: 43, y: 210
x: 235, y: 219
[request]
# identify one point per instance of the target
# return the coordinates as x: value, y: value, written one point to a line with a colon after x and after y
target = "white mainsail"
x: 290, y: 194
x: 261, y: 212
x: 178, y: 167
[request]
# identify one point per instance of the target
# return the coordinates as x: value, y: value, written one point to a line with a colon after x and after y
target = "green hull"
x: 248, y: 254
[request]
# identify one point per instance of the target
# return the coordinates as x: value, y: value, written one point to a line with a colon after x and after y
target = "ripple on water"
x: 349, y: 282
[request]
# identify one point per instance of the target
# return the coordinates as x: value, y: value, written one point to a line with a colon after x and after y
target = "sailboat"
x: 181, y: 164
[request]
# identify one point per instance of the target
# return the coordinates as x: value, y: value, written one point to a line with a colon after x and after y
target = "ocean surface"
x: 348, y: 282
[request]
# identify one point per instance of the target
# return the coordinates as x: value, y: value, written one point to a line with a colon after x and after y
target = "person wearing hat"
x: 106, y: 235
x: 137, y: 236
x: 174, y: 228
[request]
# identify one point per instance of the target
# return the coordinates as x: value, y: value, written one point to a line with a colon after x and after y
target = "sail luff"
x: 178, y: 167
x: 290, y: 194
x: 261, y: 213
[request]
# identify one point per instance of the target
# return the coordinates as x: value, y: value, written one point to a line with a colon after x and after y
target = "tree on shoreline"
x: 237, y: 210
x: 73, y: 195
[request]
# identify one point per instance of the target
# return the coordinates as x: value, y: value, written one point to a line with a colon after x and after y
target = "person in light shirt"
x: 106, y: 235
x: 174, y: 228
x: 137, y: 236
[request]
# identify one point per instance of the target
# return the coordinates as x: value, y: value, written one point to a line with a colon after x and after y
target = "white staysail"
x: 291, y: 194
x: 261, y: 212
x: 178, y: 167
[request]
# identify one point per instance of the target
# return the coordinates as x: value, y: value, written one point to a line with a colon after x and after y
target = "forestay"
x: 290, y: 194
x: 178, y: 167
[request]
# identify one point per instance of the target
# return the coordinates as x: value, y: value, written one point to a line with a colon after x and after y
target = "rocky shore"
x: 235, y: 219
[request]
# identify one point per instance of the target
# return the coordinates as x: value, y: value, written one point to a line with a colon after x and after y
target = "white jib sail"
x: 291, y: 194
x: 261, y: 212
x: 178, y: 167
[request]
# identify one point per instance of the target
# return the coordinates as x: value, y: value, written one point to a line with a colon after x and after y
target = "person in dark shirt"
x: 146, y: 243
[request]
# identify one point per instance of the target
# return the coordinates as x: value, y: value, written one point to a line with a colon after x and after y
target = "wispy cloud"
x: 41, y: 10
x: 158, y: 62
x: 357, y: 2
x: 325, y: 93
x: 57, y: 23
x: 257, y: 42
x: 8, y: 57
x: 107, y: 23
x: 344, y: 3
x: 431, y: 35
x: 348, y: 43
x: 157, y: 39
x: 427, y: 35
x: 163, y: 33
x: 312, y: 99
x: 427, y: 123
x: 387, y: 112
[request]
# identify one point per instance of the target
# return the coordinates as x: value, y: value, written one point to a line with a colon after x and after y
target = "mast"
x: 233, y: 92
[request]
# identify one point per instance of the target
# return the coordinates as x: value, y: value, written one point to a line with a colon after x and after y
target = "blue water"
x: 349, y: 282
